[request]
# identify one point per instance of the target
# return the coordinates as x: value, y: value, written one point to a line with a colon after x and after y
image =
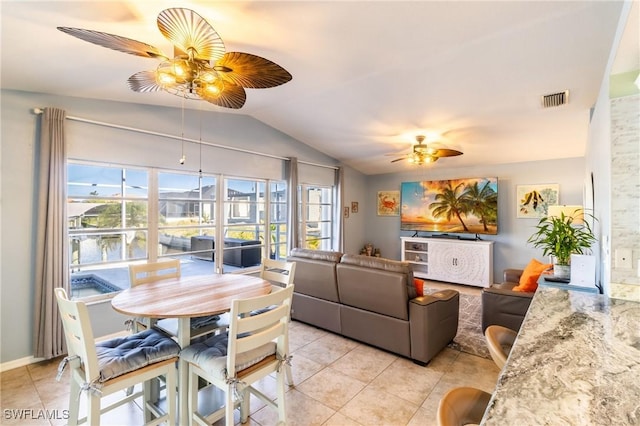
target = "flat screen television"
x: 468, y: 206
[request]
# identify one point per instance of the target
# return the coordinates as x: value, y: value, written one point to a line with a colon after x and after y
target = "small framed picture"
x: 388, y: 203
x: 534, y: 200
x: 346, y: 212
x: 354, y: 207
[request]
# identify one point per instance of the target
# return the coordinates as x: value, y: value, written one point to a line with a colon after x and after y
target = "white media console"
x: 452, y: 260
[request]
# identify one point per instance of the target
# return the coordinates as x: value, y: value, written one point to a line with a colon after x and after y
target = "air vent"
x: 555, y: 99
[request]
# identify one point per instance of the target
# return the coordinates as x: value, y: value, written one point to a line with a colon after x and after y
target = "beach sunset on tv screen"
x: 467, y: 205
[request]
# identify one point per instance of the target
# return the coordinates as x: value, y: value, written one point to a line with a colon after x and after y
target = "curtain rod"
x: 39, y: 111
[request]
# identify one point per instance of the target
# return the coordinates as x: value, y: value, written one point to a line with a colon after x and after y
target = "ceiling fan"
x: 422, y: 153
x: 200, y: 67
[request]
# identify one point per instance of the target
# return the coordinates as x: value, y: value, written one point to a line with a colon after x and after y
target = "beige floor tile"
x: 52, y: 390
x: 364, y: 363
x: 301, y: 411
x: 443, y: 360
x: 326, y: 349
x: 373, y: 407
x: 339, y: 419
x: 331, y: 387
x: 46, y: 369
x: 408, y: 380
x: 423, y: 417
x: 301, y: 334
x: 16, y: 380
x: 469, y: 370
x: 303, y: 368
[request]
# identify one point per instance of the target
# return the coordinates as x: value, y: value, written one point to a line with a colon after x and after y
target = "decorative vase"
x: 562, y: 271
x: 369, y: 249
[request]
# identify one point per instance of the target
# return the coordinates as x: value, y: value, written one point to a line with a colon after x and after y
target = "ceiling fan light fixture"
x: 201, y: 61
x: 189, y: 78
x: 207, y: 90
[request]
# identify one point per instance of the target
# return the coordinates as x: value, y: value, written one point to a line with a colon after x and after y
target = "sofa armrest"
x: 433, y: 323
x: 435, y: 297
x: 512, y: 275
x: 503, y: 306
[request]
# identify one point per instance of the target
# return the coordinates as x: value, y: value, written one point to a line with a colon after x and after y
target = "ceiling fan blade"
x: 232, y: 96
x: 251, y: 71
x: 443, y: 152
x: 398, y: 159
x: 115, y: 42
x: 188, y: 30
x: 144, y: 81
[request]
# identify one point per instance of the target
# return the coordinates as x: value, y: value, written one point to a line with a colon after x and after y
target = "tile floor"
x: 337, y: 382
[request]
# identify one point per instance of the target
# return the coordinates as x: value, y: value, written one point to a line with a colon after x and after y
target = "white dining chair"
x: 254, y: 347
x: 280, y: 274
x: 141, y: 273
x: 104, y: 368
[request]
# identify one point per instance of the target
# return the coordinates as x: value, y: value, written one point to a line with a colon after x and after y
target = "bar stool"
x: 462, y: 406
x: 499, y: 341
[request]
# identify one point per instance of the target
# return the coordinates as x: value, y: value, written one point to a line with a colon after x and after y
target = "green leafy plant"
x: 557, y: 236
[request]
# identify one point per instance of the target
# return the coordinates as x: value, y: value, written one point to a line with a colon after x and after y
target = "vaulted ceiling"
x: 368, y: 76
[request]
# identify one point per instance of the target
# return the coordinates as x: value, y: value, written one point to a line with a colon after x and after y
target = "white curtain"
x: 52, y: 256
x: 339, y: 223
x: 293, y: 224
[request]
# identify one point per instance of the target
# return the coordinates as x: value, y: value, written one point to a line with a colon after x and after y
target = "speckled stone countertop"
x: 576, y: 361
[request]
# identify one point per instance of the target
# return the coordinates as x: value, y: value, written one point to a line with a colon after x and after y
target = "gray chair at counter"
x: 462, y: 406
x: 499, y: 341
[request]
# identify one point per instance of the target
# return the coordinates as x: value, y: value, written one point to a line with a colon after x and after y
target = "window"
x: 118, y: 215
x: 108, y: 223
x: 186, y: 215
x: 316, y: 217
x: 244, y: 222
x: 278, y: 220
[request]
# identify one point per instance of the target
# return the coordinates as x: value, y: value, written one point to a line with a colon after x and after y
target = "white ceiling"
x: 367, y: 75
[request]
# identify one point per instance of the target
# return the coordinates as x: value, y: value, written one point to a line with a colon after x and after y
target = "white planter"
x: 561, y: 271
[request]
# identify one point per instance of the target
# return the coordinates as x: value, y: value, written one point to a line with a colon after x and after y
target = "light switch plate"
x: 623, y: 259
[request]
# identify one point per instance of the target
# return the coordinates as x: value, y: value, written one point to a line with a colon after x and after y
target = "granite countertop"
x: 576, y: 361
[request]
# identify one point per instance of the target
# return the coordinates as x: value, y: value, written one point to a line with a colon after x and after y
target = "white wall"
x: 510, y: 249
x: 89, y: 141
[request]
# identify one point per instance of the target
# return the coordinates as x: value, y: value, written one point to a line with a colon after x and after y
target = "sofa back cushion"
x: 377, y: 285
x: 316, y: 273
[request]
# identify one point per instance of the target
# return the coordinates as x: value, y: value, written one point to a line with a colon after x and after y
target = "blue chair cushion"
x: 211, y: 355
x: 123, y: 355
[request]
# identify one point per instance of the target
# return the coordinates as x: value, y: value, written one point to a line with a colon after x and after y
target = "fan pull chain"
x: 183, y: 157
x: 200, y: 141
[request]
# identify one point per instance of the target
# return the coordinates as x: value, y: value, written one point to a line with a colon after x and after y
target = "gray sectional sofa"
x: 372, y: 300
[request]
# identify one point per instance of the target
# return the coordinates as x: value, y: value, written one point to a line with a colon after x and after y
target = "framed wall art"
x: 388, y: 203
x: 534, y: 200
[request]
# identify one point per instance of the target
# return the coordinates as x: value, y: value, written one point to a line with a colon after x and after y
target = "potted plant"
x: 560, y: 237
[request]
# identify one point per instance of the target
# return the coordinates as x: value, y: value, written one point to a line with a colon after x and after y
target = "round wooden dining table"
x: 185, y: 298
x: 188, y: 296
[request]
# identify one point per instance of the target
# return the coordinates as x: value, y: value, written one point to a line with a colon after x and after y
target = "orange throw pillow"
x: 419, y: 285
x: 529, y: 278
